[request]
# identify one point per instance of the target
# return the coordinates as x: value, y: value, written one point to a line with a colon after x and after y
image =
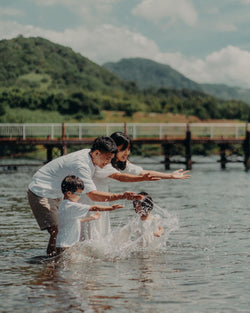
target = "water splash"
x: 125, y: 240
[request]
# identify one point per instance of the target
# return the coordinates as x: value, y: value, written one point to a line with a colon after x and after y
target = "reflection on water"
x: 201, y: 265
x: 94, y: 285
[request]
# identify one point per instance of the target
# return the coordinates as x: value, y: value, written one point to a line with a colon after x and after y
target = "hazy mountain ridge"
x: 147, y: 74
x: 150, y: 74
x: 226, y: 92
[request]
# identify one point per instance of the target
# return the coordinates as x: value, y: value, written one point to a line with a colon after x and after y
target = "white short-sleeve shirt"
x: 132, y: 169
x: 101, y: 180
x: 69, y: 225
x: 47, y: 180
x: 139, y: 231
x: 101, y: 175
x: 140, y: 227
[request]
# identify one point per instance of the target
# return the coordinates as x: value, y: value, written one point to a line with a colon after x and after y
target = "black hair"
x: 146, y: 203
x: 71, y: 183
x: 104, y: 144
x: 121, y: 139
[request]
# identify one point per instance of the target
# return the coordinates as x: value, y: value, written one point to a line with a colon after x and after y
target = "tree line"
x: 83, y: 103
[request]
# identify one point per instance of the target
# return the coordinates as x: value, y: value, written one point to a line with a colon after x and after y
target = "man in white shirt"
x: 45, y: 194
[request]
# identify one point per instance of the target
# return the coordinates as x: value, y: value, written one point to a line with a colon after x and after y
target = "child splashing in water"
x: 143, y: 231
x: 143, y: 208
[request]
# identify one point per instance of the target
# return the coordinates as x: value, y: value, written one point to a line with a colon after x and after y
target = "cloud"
x: 51, y: 2
x: 91, y: 12
x: 9, y: 29
x: 100, y: 44
x: 10, y: 12
x: 228, y: 66
x: 155, y: 10
x: 225, y: 27
x: 86, y: 8
x: 74, y: 2
x: 109, y: 43
x: 245, y: 1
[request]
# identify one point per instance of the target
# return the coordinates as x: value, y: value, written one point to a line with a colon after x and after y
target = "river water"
x: 201, y: 265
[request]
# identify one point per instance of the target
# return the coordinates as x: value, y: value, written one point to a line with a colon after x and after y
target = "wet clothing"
x: 101, y: 227
x: 69, y: 225
x: 45, y: 210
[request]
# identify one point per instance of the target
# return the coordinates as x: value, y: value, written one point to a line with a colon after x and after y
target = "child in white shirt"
x: 143, y: 208
x: 72, y: 213
x: 141, y: 231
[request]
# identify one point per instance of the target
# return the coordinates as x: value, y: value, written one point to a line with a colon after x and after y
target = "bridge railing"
x: 134, y: 130
x: 215, y: 130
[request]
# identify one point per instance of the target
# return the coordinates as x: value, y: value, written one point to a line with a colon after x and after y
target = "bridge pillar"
x: 63, y: 149
x: 223, y: 159
x: 167, y: 152
x: 246, y: 146
x: 49, y: 153
x: 125, y: 128
x: 166, y: 157
x: 167, y: 162
x: 55, y: 151
x: 188, y: 149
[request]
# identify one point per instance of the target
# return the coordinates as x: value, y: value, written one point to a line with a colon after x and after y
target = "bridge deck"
x: 62, y: 135
x: 82, y: 141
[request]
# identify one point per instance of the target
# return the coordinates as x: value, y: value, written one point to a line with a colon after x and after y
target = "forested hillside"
x: 36, y: 74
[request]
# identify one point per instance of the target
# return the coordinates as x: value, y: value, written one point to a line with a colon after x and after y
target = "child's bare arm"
x: 105, y: 208
x: 92, y: 217
x: 159, y: 232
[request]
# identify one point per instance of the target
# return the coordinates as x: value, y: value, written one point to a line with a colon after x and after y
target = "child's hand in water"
x: 95, y: 216
x: 159, y: 232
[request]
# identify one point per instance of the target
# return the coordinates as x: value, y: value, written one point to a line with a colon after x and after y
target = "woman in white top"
x: 121, y: 163
x: 119, y: 166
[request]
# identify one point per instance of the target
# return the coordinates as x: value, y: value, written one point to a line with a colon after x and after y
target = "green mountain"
x: 36, y: 74
x: 40, y: 64
x: 150, y: 74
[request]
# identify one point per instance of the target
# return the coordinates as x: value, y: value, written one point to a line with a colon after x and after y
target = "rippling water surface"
x: 203, y: 265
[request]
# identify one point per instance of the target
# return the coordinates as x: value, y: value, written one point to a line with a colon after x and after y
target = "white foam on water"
x: 124, y: 240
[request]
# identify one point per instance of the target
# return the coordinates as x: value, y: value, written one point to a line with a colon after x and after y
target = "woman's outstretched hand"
x: 150, y: 177
x: 179, y: 174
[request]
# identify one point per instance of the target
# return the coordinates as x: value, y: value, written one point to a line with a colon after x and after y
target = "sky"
x: 208, y: 41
